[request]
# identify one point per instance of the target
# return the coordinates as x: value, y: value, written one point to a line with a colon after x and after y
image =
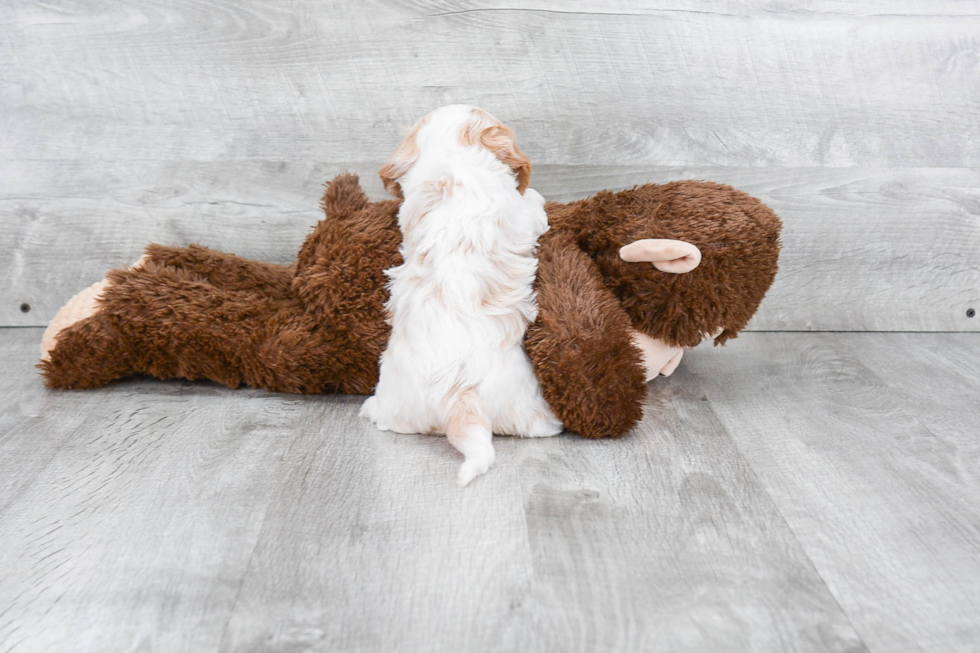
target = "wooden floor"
x: 787, y: 492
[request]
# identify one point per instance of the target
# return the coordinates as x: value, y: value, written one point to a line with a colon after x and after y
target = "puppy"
x: 462, y: 300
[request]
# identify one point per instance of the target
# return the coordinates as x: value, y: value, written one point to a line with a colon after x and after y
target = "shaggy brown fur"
x: 319, y: 326
x: 580, y: 345
x: 195, y: 313
x: 739, y: 241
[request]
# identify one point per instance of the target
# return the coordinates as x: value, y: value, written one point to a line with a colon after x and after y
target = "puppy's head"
x: 453, y: 128
x: 480, y: 129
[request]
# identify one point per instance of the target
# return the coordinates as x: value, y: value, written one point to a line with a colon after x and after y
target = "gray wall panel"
x: 217, y: 122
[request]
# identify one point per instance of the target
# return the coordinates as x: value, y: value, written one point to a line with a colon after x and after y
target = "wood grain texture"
x: 182, y: 516
x: 564, y: 546
x: 216, y: 122
x: 662, y: 83
x: 369, y: 546
x: 26, y: 455
x: 134, y: 510
x: 665, y: 542
x: 867, y: 443
x: 863, y: 249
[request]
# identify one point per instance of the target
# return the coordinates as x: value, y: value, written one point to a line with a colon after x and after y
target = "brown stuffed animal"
x: 626, y: 281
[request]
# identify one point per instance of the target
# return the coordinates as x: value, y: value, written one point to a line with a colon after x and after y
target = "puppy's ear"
x: 488, y: 132
x: 400, y: 161
x: 500, y: 140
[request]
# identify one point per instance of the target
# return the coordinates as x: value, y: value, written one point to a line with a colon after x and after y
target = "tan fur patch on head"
x: 401, y: 160
x: 486, y: 131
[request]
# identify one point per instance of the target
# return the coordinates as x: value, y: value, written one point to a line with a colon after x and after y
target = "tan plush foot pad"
x: 78, y: 308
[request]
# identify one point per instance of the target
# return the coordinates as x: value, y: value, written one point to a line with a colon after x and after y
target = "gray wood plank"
x: 64, y: 225
x: 370, y: 546
x: 212, y: 122
x: 131, y: 512
x: 757, y: 83
x: 663, y: 541
x: 786, y: 492
x: 417, y: 568
x: 890, y: 249
x: 666, y: 541
x: 724, y: 7
x: 942, y: 388
x: 27, y: 439
x: 867, y: 444
x: 180, y: 516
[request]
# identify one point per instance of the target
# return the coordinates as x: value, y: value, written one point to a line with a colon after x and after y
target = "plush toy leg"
x: 659, y: 358
x: 167, y: 323
x: 195, y: 313
x: 79, y: 349
x: 88, y: 354
x: 79, y: 307
x: 225, y: 271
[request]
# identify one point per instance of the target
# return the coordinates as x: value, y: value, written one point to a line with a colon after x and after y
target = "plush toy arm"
x: 659, y: 358
x: 340, y: 269
x: 581, y: 345
x: 224, y: 271
x: 342, y: 199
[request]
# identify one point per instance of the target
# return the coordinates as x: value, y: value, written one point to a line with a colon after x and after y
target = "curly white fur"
x: 462, y: 300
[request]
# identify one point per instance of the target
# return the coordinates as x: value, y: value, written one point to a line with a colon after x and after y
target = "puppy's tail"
x: 468, y: 429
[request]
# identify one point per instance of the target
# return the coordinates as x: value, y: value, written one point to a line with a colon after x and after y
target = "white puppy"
x: 462, y: 300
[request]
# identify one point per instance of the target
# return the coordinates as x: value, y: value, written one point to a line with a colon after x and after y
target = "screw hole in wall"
x: 25, y: 308
x: 970, y: 312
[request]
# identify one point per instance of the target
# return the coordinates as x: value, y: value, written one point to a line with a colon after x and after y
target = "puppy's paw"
x: 382, y: 421
x: 369, y: 409
x: 544, y: 425
x: 475, y: 466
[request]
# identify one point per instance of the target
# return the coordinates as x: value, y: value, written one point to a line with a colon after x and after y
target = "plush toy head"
x: 672, y: 291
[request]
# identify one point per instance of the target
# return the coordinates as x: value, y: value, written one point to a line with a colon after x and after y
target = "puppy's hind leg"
x: 515, y: 400
x: 468, y: 429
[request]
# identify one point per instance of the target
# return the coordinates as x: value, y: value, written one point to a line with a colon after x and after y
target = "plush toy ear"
x: 674, y: 256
